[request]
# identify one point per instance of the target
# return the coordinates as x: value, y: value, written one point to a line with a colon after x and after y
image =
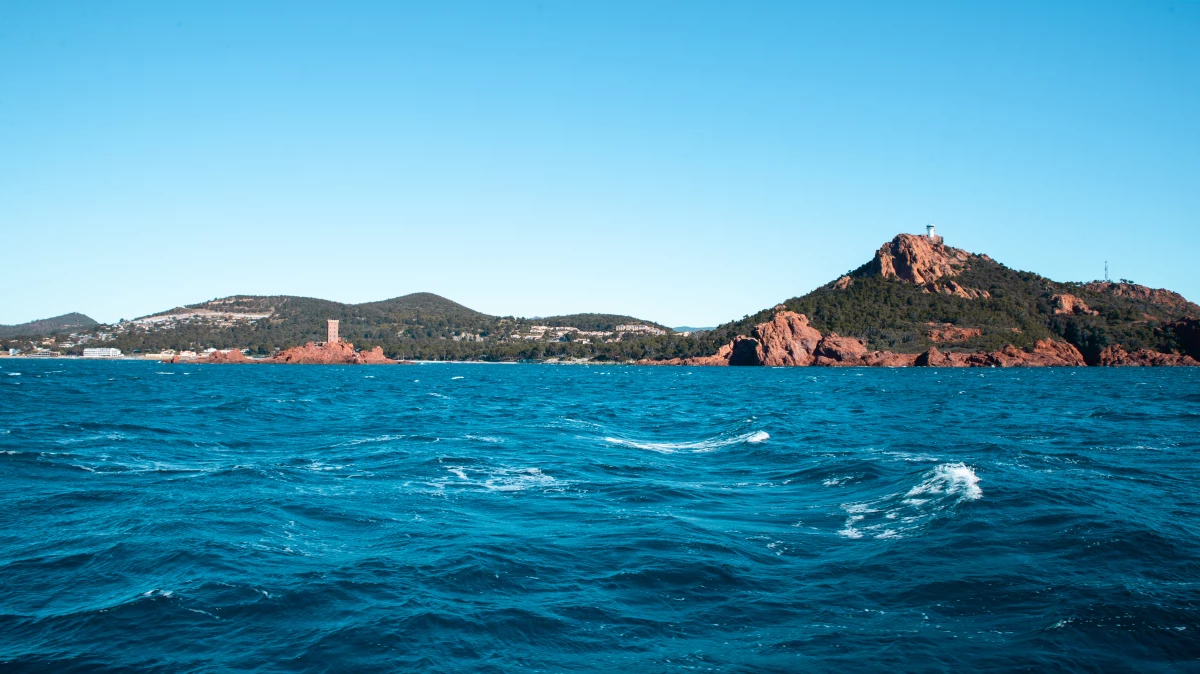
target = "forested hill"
x: 420, y: 325
x: 48, y: 326
x: 918, y: 292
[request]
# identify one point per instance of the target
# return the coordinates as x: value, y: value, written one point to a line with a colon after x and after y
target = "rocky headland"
x: 789, y: 341
x: 999, y: 318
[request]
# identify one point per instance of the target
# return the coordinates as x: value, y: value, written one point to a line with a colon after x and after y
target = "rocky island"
x: 333, y: 351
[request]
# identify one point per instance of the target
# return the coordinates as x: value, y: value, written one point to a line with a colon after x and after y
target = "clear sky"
x: 685, y: 162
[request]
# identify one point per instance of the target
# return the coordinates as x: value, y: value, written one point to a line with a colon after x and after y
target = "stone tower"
x: 333, y: 336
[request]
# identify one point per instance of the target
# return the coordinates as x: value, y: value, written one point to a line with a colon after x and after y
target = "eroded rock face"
x: 1115, y: 356
x: 843, y: 283
x: 1051, y: 353
x: 785, y: 340
x: 918, y: 259
x: 837, y: 350
x: 331, y: 353
x: 949, y: 333
x: 1159, y: 296
x: 1067, y: 304
x: 924, y: 261
x: 1045, y: 353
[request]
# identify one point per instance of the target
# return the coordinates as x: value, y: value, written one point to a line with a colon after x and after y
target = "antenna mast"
x: 1106, y: 270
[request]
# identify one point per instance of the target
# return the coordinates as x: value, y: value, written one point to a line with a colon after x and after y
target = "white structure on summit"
x: 931, y: 231
x: 333, y: 336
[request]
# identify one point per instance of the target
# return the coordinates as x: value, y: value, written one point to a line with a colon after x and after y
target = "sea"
x: 546, y: 518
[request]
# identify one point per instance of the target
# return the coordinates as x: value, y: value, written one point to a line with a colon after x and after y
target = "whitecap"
x: 709, y: 445
x: 952, y: 479
x: 14, y: 374
x: 496, y: 479
x: 456, y: 378
x: 485, y: 438
x: 899, y: 513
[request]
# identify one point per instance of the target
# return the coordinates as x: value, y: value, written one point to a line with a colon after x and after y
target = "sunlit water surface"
x: 454, y: 517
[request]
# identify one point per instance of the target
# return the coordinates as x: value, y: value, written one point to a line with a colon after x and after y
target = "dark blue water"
x: 540, y: 518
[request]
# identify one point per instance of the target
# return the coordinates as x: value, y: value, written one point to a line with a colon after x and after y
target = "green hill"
x: 48, y: 326
x: 416, y: 326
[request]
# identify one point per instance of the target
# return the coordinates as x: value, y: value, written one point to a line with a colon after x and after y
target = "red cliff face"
x: 1045, y: 353
x: 331, y: 353
x: 1115, y: 356
x: 787, y: 339
x: 927, y: 261
x: 837, y: 350
x: 918, y: 259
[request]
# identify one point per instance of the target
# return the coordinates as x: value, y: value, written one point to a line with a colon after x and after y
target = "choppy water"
x: 540, y: 518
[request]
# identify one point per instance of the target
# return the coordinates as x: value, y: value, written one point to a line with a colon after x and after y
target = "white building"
x: 101, y: 353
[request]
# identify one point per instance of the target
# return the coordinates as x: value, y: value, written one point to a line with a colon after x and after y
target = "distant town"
x: 91, y: 343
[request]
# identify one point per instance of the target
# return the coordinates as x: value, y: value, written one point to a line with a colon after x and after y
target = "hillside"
x: 918, y: 293
x: 48, y: 326
x: 416, y: 326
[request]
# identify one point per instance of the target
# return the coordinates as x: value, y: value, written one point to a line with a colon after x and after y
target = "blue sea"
x: 541, y: 518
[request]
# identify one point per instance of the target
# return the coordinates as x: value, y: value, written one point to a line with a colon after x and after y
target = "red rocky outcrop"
x: 918, y: 259
x: 787, y: 339
x: 837, y: 350
x: 1067, y: 304
x: 331, y: 353
x: 230, y: 356
x: 1045, y: 353
x: 923, y: 260
x: 1115, y: 356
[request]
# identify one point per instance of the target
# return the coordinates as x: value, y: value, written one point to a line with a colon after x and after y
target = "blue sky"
x: 688, y: 163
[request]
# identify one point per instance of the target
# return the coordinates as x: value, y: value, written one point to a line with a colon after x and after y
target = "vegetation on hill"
x: 888, y: 313
x: 895, y: 315
x: 419, y: 326
x: 48, y: 326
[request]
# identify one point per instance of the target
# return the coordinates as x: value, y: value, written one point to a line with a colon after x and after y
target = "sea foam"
x: 901, y: 513
x: 709, y: 445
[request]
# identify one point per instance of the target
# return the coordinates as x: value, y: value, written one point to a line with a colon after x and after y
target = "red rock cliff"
x: 918, y: 259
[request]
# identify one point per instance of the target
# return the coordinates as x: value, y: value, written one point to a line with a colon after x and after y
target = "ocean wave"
x: 485, y: 438
x: 495, y: 479
x: 701, y: 446
x: 901, y: 513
